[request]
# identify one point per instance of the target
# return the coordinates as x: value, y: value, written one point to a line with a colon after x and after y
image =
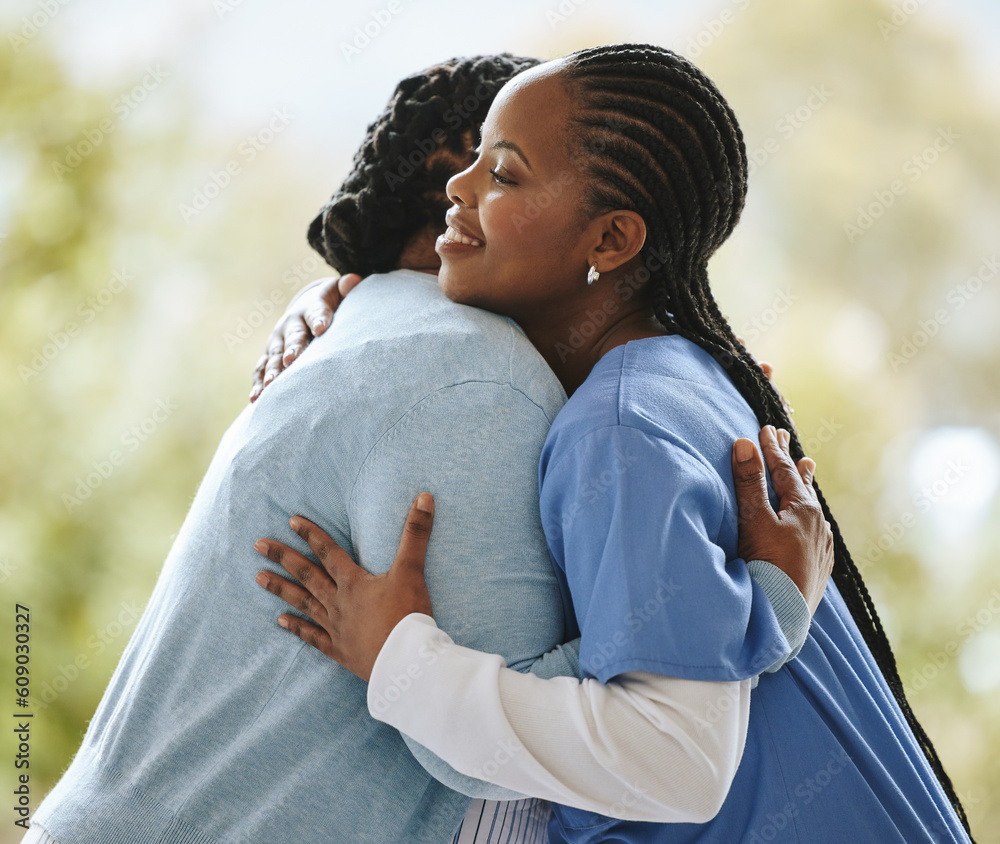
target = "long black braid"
x: 659, y: 139
x: 396, y: 186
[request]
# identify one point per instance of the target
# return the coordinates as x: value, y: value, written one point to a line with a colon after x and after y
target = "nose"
x: 460, y: 188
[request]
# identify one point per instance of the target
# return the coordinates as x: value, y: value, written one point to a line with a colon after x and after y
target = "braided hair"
x: 652, y: 134
x: 396, y: 187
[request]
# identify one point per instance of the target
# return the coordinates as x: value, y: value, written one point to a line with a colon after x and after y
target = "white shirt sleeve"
x: 642, y: 747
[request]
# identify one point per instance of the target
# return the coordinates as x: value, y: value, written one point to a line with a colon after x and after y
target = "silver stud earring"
x: 593, y: 275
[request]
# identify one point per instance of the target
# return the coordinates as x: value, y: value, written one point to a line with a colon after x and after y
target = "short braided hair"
x: 396, y: 187
x: 663, y: 142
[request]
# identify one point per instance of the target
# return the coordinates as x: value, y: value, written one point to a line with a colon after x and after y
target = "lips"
x: 457, y: 233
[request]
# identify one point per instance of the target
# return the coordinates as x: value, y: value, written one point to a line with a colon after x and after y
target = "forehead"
x: 531, y: 110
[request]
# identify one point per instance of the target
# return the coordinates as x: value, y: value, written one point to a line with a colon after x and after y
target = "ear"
x: 621, y: 235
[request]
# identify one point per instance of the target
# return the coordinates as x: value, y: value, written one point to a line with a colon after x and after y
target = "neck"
x: 571, y: 354
x: 611, y: 316
x: 418, y: 254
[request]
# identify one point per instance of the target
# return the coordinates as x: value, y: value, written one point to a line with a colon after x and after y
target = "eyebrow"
x: 514, y: 148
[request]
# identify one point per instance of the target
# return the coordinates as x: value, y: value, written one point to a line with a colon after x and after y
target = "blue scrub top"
x: 640, y: 515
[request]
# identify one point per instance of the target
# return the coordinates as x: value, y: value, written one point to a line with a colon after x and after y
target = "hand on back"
x: 307, y: 316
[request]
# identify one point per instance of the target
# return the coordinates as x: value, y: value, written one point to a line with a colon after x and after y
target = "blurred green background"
x: 139, y: 279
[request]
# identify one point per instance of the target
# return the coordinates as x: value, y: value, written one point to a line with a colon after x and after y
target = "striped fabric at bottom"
x: 487, y: 822
x: 37, y: 835
x: 508, y: 822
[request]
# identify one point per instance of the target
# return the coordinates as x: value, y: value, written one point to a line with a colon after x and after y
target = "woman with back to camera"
x: 635, y: 168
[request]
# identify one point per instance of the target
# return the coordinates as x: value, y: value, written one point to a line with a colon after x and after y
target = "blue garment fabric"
x: 220, y: 726
x: 639, y: 509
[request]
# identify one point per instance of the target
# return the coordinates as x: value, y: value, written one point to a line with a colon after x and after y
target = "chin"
x: 451, y: 287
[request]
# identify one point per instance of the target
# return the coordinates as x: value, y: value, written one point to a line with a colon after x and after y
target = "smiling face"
x: 518, y: 241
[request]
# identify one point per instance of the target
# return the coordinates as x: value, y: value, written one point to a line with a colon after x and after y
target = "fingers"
x: 348, y: 282
x: 294, y: 595
x: 275, y: 350
x: 258, y: 378
x: 334, y: 559
x: 807, y: 470
x: 784, y: 474
x: 269, y: 364
x: 319, y: 314
x: 308, y: 633
x: 316, y: 581
x: 416, y: 534
x: 296, y: 336
x: 749, y: 480
x: 764, y: 366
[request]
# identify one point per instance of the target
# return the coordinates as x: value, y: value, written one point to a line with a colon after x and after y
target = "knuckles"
x: 749, y: 480
x: 418, y: 528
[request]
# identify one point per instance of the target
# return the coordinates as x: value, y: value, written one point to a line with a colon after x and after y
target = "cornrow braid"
x: 676, y: 156
x: 396, y: 186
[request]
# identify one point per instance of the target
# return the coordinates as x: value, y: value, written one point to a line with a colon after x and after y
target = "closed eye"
x: 500, y: 180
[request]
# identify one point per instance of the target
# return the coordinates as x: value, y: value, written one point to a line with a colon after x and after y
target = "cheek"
x: 503, y: 223
x: 522, y: 228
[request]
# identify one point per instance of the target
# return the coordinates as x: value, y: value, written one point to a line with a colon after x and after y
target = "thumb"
x: 749, y: 481
x: 416, y: 534
x: 348, y: 282
x: 320, y: 313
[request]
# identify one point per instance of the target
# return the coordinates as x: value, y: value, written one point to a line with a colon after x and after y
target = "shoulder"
x: 398, y: 330
x: 651, y: 394
x: 635, y: 462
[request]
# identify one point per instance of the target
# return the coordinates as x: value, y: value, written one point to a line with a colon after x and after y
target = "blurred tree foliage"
x: 128, y: 337
x: 129, y: 332
x: 875, y: 206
